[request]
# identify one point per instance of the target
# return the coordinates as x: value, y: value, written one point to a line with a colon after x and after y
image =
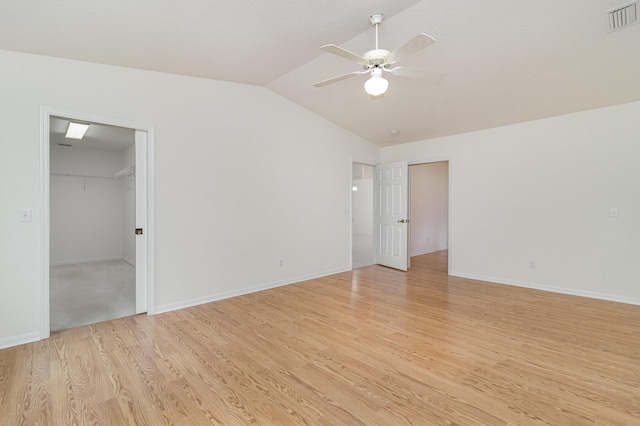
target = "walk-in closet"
x: 92, y: 222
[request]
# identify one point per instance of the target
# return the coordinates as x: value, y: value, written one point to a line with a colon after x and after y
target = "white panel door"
x: 390, y: 209
x: 141, y: 221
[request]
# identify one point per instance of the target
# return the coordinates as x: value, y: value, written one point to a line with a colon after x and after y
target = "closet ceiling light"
x: 76, y: 130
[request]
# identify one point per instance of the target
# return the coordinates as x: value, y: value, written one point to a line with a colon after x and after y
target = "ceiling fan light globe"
x: 376, y: 85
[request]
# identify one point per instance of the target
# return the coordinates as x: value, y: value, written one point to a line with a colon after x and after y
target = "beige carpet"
x: 86, y: 293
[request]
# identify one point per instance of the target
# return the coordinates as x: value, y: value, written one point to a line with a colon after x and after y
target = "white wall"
x: 362, y: 205
x: 429, y: 209
x: 128, y: 209
x: 244, y: 178
x: 542, y: 191
x: 86, y: 213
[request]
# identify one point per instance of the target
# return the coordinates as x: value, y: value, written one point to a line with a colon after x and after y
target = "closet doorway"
x: 96, y: 263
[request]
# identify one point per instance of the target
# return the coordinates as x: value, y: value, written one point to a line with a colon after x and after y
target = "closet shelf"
x: 124, y: 174
x: 120, y: 176
x: 82, y: 176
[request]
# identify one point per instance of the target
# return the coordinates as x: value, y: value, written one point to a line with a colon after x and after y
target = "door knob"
x: 402, y: 221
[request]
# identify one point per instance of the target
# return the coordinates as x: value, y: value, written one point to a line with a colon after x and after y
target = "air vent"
x: 622, y: 16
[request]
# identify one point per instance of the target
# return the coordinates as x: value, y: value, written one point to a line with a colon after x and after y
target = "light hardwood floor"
x: 372, y: 346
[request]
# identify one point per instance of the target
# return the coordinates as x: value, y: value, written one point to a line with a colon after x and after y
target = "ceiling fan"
x: 378, y: 61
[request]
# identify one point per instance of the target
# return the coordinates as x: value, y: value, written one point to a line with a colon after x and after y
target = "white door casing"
x: 141, y: 221
x: 391, y: 207
x: 144, y: 166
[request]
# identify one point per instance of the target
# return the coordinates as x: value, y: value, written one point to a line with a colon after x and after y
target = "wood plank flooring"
x: 369, y: 347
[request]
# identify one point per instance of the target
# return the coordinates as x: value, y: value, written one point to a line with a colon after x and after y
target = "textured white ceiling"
x: 507, y: 61
x: 246, y: 41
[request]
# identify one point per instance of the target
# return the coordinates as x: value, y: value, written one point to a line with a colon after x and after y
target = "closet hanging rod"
x: 82, y: 176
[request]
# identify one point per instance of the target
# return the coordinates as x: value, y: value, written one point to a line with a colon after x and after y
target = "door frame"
x: 45, y: 223
x: 450, y: 227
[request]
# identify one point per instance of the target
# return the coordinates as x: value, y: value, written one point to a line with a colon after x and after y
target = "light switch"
x: 614, y: 212
x: 25, y: 215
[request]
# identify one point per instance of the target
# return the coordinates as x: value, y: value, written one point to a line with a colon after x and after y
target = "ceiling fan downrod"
x: 376, y: 20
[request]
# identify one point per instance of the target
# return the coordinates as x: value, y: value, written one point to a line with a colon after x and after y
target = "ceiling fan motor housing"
x: 376, y: 57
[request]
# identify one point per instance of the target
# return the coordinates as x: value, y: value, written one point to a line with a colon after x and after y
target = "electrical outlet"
x: 532, y: 264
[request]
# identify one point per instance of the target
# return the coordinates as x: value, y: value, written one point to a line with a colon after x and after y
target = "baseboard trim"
x: 420, y: 253
x: 21, y: 339
x: 226, y: 295
x: 553, y: 289
x: 75, y: 262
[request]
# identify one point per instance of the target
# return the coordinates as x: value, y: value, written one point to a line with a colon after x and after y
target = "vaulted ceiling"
x: 507, y: 61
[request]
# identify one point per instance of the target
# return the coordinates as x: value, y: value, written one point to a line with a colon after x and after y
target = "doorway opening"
x: 362, y: 216
x: 429, y: 208
x: 96, y: 225
x: 92, y: 218
x: 411, y: 211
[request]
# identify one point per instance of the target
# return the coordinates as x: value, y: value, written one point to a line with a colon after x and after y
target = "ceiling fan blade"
x: 432, y: 76
x: 337, y: 50
x: 338, y: 78
x: 417, y: 43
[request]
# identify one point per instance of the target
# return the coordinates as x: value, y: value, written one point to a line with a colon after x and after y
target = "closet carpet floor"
x: 87, y: 293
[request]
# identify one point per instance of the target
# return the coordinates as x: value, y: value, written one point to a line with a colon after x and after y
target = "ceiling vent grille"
x: 622, y: 16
